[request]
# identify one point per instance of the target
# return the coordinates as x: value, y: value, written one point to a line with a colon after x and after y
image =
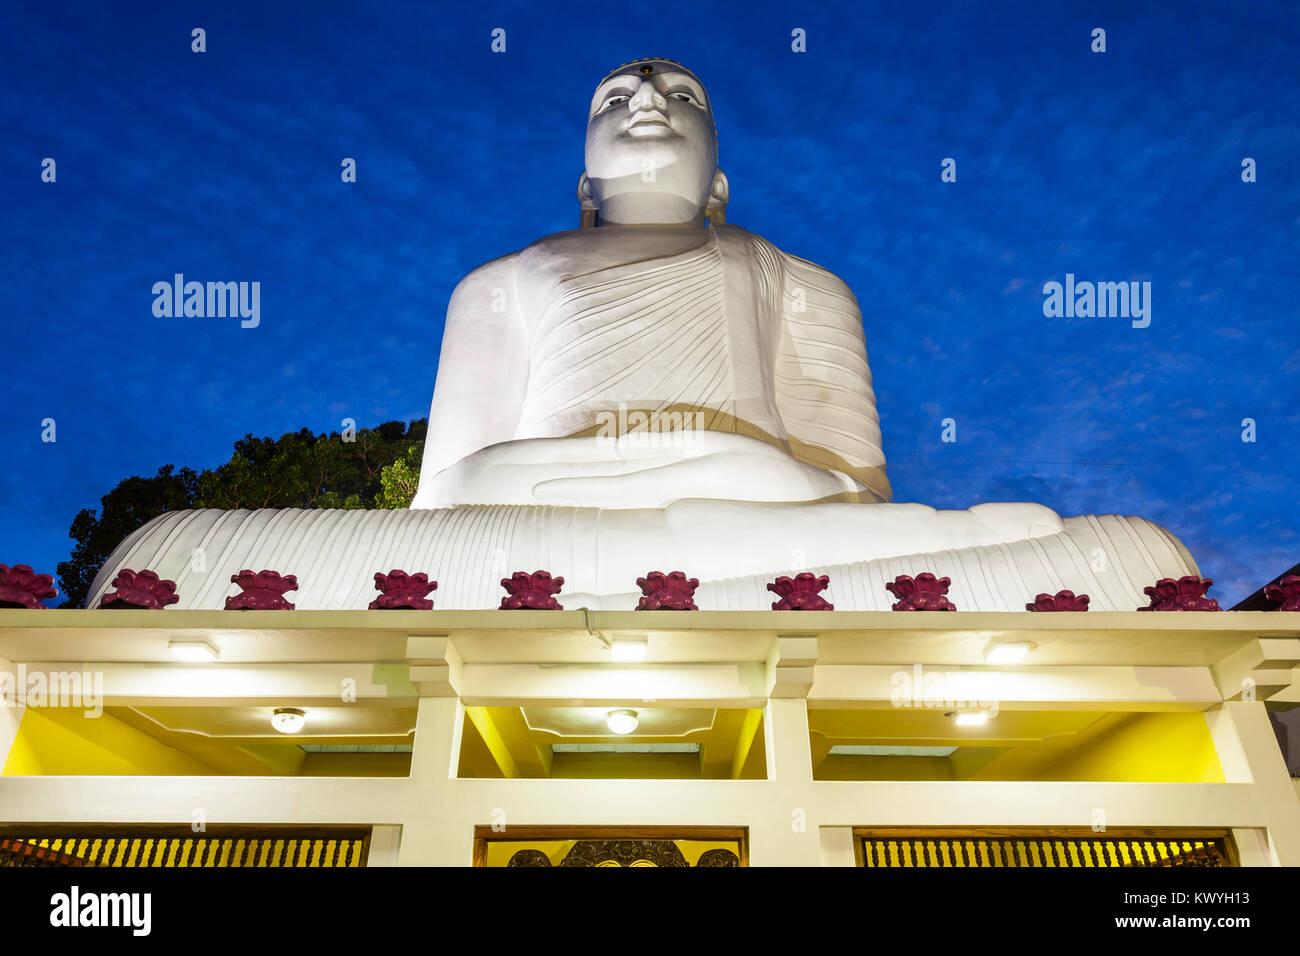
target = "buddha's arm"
x: 823, y: 382
x: 482, y: 370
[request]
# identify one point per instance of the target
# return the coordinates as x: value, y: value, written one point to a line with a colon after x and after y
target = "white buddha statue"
x: 660, y: 316
x: 657, y: 390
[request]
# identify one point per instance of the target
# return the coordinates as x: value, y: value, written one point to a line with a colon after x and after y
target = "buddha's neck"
x: 650, y: 209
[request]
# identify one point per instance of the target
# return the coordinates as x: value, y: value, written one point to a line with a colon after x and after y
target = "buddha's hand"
x: 597, y: 472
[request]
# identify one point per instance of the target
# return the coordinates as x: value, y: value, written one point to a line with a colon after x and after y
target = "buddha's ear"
x: 719, y: 193
x: 587, y: 201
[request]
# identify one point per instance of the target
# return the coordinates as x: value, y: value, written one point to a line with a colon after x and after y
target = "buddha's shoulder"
x: 539, y: 253
x: 493, y: 269
x: 794, y: 271
x: 580, y: 251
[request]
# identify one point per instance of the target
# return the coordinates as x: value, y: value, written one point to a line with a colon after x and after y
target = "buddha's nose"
x: 647, y: 97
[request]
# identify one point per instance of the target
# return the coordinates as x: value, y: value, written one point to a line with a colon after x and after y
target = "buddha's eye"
x: 684, y: 97
x: 615, y: 100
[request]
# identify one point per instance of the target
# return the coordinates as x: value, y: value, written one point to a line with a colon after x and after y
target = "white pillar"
x: 384, y: 844
x: 837, y: 846
x: 1248, y: 753
x: 785, y: 831
x: 1252, y: 846
x: 433, y: 833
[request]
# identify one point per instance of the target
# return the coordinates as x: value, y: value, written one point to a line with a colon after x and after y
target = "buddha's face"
x: 652, y: 150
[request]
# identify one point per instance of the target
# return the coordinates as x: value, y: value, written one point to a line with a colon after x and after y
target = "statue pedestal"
x: 999, y: 556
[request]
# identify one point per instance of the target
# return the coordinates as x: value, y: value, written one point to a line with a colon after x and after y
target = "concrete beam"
x: 791, y: 665
x: 1023, y: 688
x: 1260, y: 670
x: 596, y: 685
x: 215, y: 684
x: 435, y: 665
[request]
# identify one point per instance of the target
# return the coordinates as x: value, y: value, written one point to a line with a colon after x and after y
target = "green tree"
x: 377, y: 469
x: 131, y: 504
x: 399, y: 479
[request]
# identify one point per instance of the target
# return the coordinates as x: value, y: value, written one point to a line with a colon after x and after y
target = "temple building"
x: 653, y: 605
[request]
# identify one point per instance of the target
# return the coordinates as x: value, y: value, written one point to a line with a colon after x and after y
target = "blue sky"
x: 225, y: 166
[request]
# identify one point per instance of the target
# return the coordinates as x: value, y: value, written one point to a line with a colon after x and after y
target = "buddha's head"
x: 652, y: 149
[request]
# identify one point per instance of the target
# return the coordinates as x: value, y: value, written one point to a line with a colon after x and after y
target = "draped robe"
x: 717, y: 325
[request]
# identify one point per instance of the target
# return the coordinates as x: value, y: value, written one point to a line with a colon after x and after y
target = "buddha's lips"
x: 649, y: 119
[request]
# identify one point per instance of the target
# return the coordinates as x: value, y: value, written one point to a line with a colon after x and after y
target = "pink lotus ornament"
x: 925, y: 592
x: 534, y: 591
x: 263, y: 591
x: 801, y: 593
x: 140, y: 589
x: 1285, y: 594
x: 1060, y: 601
x: 1185, y: 594
x: 403, y: 591
x: 667, y: 592
x: 22, y: 587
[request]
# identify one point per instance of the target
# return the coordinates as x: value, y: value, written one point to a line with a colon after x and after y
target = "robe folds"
x: 721, y: 331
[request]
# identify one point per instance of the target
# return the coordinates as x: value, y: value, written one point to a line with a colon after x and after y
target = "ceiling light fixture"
x: 1009, y: 652
x: 198, y: 651
x: 621, y: 721
x: 628, y: 650
x: 288, y: 720
x: 972, y: 718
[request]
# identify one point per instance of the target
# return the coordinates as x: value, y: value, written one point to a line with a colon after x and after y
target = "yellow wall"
x: 597, y: 766
x: 1118, y: 747
x: 356, y: 765
x: 1145, y: 748
x: 755, y: 766
x: 476, y: 759
x: 59, y: 740
x: 877, y: 767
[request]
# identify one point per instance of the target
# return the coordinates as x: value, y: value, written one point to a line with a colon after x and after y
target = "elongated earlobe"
x: 590, y: 215
x: 715, y: 211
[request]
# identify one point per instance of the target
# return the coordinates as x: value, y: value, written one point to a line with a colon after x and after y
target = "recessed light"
x: 972, y: 719
x: 193, y: 650
x: 627, y: 650
x: 1007, y: 652
x: 874, y: 750
x: 288, y: 720
x: 621, y: 721
x: 627, y: 748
